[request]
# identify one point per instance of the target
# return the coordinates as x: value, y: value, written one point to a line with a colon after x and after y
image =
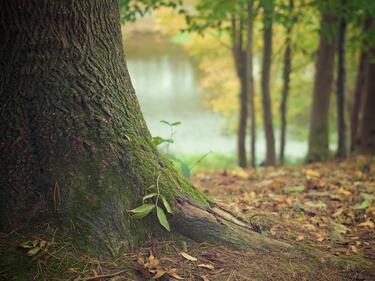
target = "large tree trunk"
x: 75, y: 151
x: 266, y: 97
x: 342, y: 148
x: 365, y: 143
x: 250, y: 82
x: 284, y: 95
x: 319, y: 133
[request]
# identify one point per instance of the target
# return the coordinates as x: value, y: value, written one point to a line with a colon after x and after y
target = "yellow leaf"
x: 208, y: 266
x: 159, y: 273
x: 300, y: 238
x: 175, y: 276
x: 312, y: 173
x: 188, y: 257
x: 367, y: 223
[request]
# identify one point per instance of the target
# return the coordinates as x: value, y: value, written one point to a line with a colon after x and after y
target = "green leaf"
x: 162, y: 218
x: 176, y: 123
x: 185, y: 169
x: 157, y: 140
x: 26, y: 245
x: 148, y: 196
x: 143, y: 208
x: 33, y: 251
x: 165, y: 122
x: 364, y: 205
x: 166, y: 204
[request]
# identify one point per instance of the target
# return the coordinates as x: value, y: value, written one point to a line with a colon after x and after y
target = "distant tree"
x: 318, y: 143
x: 268, y: 7
x: 233, y: 18
x: 342, y: 148
x: 286, y: 79
x: 365, y: 143
x: 250, y: 81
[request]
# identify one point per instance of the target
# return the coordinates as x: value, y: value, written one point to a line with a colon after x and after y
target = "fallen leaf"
x: 367, y: 223
x: 208, y: 266
x: 300, y: 238
x: 312, y: 173
x: 188, y: 257
x: 159, y: 273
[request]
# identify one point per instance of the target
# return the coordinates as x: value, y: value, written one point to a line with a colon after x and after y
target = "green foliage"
x: 146, y: 208
x: 132, y: 9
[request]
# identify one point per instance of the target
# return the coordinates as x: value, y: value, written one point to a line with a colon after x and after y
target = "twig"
x: 106, y: 275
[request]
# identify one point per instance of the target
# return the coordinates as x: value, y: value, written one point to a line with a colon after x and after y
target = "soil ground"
x: 326, y: 211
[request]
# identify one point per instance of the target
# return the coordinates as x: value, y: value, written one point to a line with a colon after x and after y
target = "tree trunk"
x: 319, y: 133
x: 75, y: 151
x: 360, y: 87
x: 250, y: 82
x: 342, y: 148
x: 266, y: 98
x: 239, y: 56
x: 365, y: 143
x: 285, y: 92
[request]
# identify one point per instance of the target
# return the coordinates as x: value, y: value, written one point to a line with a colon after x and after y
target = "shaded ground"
x: 325, y: 210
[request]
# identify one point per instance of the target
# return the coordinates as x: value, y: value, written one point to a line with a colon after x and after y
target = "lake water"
x: 167, y: 85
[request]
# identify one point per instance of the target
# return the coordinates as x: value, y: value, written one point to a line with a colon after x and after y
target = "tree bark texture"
x: 319, y: 132
x: 365, y: 143
x: 75, y: 151
x: 342, y: 149
x: 266, y: 96
x: 285, y: 92
x: 250, y: 82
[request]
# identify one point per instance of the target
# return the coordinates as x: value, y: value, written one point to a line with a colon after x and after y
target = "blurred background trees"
x: 298, y: 69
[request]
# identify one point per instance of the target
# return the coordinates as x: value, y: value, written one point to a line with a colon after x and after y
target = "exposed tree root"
x: 218, y: 226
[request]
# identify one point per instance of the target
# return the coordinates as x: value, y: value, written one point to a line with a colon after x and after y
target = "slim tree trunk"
x: 360, y: 87
x: 266, y: 97
x: 239, y: 56
x: 250, y: 82
x: 365, y: 143
x: 284, y: 95
x: 319, y: 134
x: 341, y: 76
x: 75, y: 151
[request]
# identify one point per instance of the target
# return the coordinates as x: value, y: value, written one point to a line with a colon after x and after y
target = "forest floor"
x: 327, y: 210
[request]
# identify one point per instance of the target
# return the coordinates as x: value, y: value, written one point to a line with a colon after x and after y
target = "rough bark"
x: 319, y: 132
x: 239, y: 61
x: 250, y: 82
x: 365, y: 143
x: 285, y: 92
x: 266, y: 97
x: 342, y: 148
x: 75, y: 151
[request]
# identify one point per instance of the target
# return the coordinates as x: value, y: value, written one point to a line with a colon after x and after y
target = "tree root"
x: 219, y: 226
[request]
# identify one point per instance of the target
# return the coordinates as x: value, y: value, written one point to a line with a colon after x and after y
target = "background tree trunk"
x: 365, y: 143
x: 319, y: 133
x: 250, y: 82
x: 239, y: 61
x: 342, y: 148
x: 284, y: 95
x: 266, y: 97
x: 360, y: 88
x: 75, y: 151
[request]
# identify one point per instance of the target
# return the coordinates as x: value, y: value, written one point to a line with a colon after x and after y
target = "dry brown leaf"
x: 300, y: 238
x: 188, y: 257
x: 159, y: 273
x: 208, y: 266
x: 367, y: 223
x: 175, y: 276
x: 204, y: 278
